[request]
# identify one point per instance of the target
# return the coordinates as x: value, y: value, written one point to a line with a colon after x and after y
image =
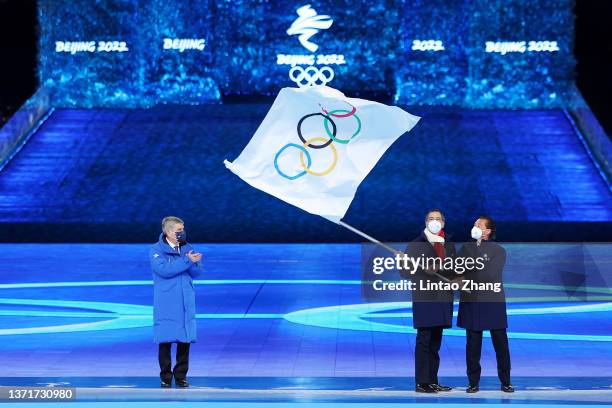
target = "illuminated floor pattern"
x: 81, y: 314
x: 263, y: 310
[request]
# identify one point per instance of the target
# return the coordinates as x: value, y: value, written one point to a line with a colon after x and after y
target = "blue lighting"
x: 345, y: 317
x: 352, y: 317
x: 494, y: 53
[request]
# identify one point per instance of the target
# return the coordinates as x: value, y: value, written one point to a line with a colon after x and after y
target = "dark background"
x: 18, y: 28
x: 594, y: 54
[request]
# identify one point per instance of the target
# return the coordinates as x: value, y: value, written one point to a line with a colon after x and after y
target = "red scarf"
x: 439, y: 247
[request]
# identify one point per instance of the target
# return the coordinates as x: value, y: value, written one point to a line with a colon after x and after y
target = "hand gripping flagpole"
x: 387, y: 247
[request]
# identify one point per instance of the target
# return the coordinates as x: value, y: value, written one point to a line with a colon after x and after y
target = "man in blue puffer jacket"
x: 174, y: 264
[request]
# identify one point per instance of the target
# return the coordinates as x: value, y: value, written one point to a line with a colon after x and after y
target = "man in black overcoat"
x: 485, y: 309
x: 432, y: 310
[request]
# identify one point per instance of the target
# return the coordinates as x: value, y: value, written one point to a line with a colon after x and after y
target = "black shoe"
x: 182, y: 383
x: 440, y: 388
x: 426, y: 388
x: 472, y: 389
x: 507, y: 388
x: 165, y: 384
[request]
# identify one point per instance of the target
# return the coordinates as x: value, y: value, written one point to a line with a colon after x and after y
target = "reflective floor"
x: 288, y: 323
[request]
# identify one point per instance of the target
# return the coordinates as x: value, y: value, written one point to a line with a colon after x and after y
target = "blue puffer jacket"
x: 174, y: 314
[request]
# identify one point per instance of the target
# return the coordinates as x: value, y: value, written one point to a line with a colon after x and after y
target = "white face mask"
x: 434, y: 226
x: 476, y: 233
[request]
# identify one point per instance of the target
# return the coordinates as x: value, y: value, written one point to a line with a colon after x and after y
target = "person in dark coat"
x: 432, y: 310
x: 174, y: 264
x: 485, y: 309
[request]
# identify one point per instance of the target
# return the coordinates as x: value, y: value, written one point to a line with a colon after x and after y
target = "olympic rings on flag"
x: 352, y: 112
x: 306, y: 163
x: 327, y: 118
x: 326, y: 171
x: 302, y: 152
x: 333, y: 137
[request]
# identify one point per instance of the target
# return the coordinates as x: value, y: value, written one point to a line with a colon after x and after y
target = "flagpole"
x: 369, y: 238
x: 387, y: 247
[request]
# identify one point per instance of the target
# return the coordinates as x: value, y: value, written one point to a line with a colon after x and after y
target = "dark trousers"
x: 502, y: 353
x: 426, y: 355
x: 165, y: 361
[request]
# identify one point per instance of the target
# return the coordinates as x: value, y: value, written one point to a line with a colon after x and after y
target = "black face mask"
x: 181, y: 237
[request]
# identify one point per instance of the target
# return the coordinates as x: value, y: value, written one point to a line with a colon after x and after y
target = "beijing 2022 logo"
x: 318, y: 142
x: 310, y: 69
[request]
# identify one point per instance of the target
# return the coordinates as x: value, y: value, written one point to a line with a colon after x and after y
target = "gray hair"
x: 171, y: 220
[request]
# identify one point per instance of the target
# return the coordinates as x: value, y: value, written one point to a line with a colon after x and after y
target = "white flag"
x: 315, y: 146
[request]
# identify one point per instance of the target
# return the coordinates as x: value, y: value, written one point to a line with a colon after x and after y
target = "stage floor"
x: 286, y: 323
x: 319, y: 391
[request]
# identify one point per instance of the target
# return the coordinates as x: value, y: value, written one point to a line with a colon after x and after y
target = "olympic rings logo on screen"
x: 319, y: 142
x: 311, y: 75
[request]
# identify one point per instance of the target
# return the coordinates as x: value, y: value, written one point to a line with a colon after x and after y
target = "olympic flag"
x: 315, y: 146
